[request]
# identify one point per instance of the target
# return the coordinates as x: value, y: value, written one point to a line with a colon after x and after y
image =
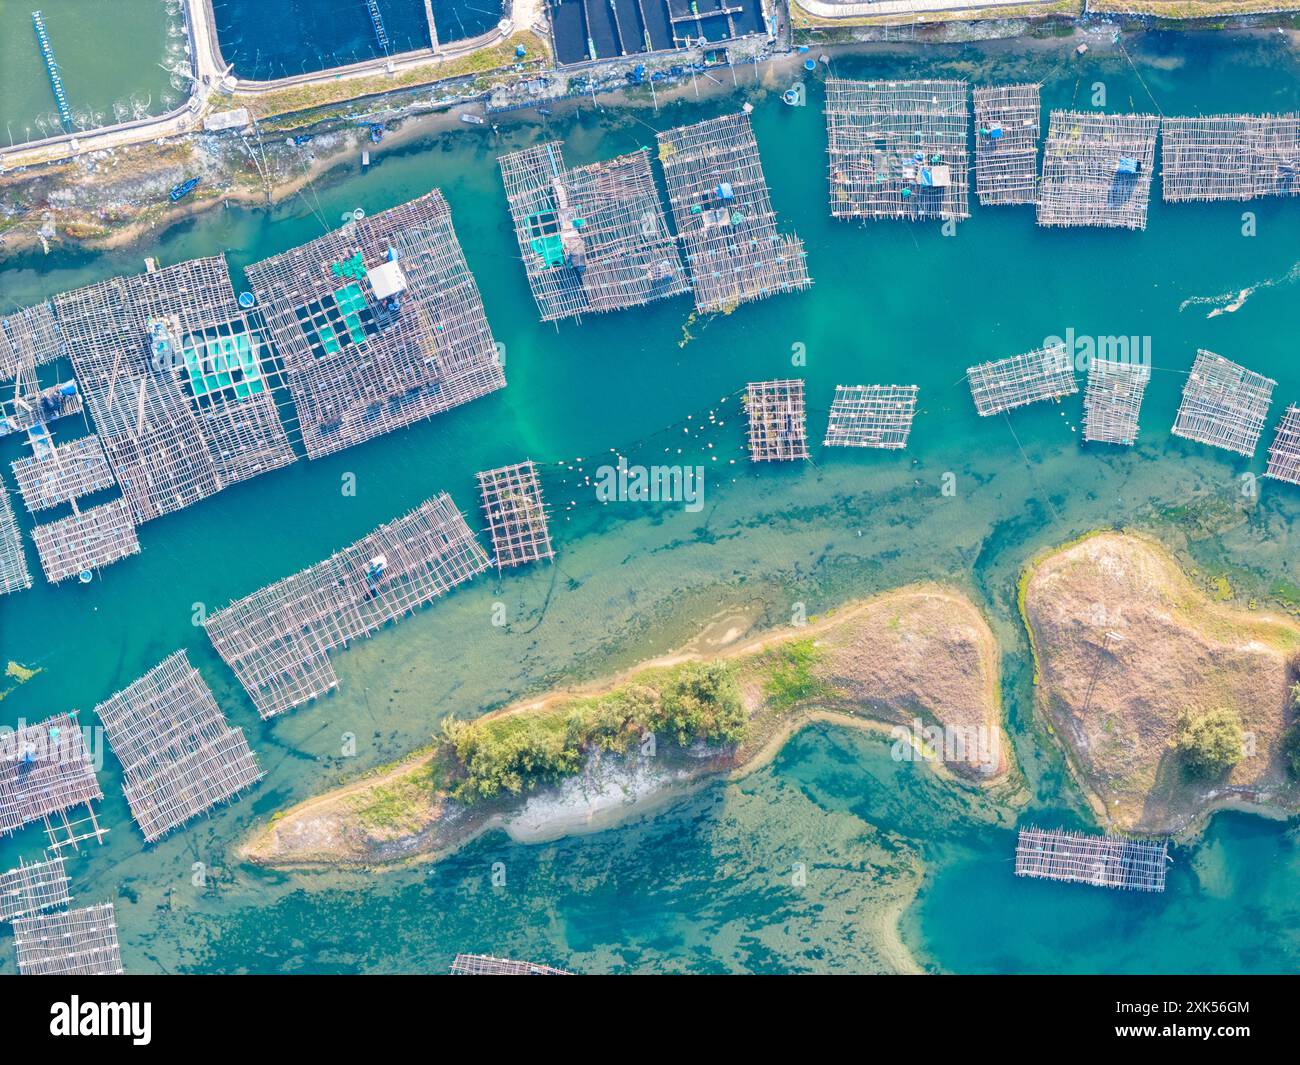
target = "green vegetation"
x: 517, y: 752
x: 790, y: 680
x: 400, y: 805
x: 1291, y: 749
x: 1210, y: 743
x: 1291, y: 741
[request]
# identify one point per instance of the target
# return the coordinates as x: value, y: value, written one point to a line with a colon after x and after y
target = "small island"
x: 919, y: 663
x: 1170, y: 705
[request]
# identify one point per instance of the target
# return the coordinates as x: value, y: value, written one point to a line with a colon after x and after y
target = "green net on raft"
x: 351, y: 302
x: 354, y: 267
x: 229, y: 363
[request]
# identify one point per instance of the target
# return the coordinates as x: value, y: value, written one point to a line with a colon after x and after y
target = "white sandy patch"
x: 609, y: 792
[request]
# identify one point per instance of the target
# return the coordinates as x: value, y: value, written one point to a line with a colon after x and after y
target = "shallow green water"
x: 707, y: 884
x: 110, y: 54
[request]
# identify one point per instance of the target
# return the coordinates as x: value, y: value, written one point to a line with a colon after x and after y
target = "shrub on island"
x: 517, y: 752
x: 1210, y: 743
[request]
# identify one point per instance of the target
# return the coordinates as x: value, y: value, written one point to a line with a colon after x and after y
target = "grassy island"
x: 921, y: 660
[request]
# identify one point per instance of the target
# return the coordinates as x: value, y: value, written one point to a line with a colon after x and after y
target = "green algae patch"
x: 19, y: 672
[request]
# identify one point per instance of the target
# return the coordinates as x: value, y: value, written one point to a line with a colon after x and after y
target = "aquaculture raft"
x: 1097, y: 170
x: 379, y: 324
x: 1113, y: 399
x: 1230, y: 157
x: 179, y: 754
x: 1284, y: 452
x: 278, y: 640
x: 516, y: 515
x: 33, y: 887
x: 1102, y: 861
x: 86, y: 540
x: 29, y: 338
x: 878, y: 416
x: 69, y: 943
x: 485, y: 965
x: 178, y: 382
x: 1047, y: 373
x: 14, y: 574
x: 1008, y: 121
x: 593, y: 238
x: 777, y: 421
x: 1224, y: 404
x: 62, y: 473
x: 898, y: 149
x: 45, y: 770
x: 723, y: 213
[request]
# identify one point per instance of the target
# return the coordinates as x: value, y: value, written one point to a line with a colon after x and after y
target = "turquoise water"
x: 706, y: 884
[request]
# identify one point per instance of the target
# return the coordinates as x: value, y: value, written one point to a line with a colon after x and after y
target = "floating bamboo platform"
x: 28, y: 338
x: 898, y: 149
x: 1097, y: 170
x: 777, y: 422
x: 278, y: 640
x: 1008, y: 122
x: 723, y: 213
x: 1284, y: 452
x: 485, y: 965
x: 1224, y: 405
x: 516, y: 515
x: 14, y: 574
x: 593, y: 238
x: 180, y: 756
x: 69, y: 943
x: 32, y: 888
x: 63, y: 472
x: 86, y: 541
x: 1113, y: 399
x: 1047, y: 373
x: 1230, y: 157
x: 1102, y: 861
x: 878, y: 416
x: 379, y: 324
x: 179, y: 381
x: 45, y: 771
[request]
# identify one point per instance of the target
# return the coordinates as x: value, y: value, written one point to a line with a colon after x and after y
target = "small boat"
x: 473, y: 120
x: 179, y: 192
